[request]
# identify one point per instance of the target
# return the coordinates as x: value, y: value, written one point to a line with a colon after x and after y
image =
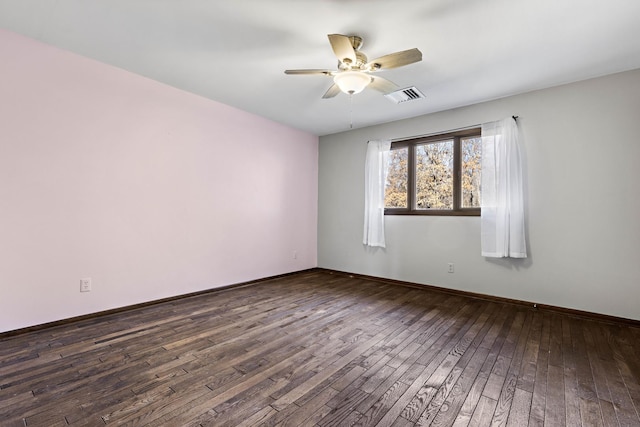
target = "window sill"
x: 434, y: 212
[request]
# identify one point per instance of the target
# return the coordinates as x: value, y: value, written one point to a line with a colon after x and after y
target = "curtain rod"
x: 434, y: 133
x: 438, y: 133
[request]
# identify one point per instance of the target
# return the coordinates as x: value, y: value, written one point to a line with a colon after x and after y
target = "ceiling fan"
x: 355, y: 71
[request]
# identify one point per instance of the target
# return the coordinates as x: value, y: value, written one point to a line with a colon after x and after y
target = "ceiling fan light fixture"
x: 352, y: 82
x: 352, y: 74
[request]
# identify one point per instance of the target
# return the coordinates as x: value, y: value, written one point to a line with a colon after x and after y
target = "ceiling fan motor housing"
x: 361, y: 60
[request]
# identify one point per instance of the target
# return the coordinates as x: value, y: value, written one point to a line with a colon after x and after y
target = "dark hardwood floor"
x: 320, y: 349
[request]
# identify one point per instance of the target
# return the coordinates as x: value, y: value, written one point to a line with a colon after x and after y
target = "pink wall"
x: 150, y: 191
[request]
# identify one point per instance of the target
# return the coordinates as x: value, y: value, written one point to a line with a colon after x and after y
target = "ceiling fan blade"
x: 325, y: 72
x: 382, y: 85
x: 342, y: 48
x: 394, y: 60
x: 331, y: 92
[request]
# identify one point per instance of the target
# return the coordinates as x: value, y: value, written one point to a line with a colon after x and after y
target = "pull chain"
x: 351, y: 110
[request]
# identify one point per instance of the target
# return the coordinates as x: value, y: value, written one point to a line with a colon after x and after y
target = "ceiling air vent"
x: 404, y: 95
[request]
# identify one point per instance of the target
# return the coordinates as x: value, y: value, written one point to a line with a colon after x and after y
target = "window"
x: 435, y: 175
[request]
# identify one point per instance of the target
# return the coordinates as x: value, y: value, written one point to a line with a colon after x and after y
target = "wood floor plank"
x: 380, y: 407
x: 622, y: 341
x: 554, y: 413
x: 493, y: 342
x: 603, y: 391
x: 302, y: 389
x: 415, y: 399
x: 312, y: 409
x: 571, y: 397
x: 323, y: 349
x: 507, y: 395
x: 483, y: 413
x: 520, y: 408
x: 464, y: 415
x: 527, y: 371
x: 584, y: 374
x: 451, y: 407
x: 463, y: 351
x: 539, y: 396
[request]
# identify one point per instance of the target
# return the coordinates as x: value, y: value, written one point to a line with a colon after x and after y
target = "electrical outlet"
x: 450, y: 267
x: 85, y: 285
x: 295, y: 254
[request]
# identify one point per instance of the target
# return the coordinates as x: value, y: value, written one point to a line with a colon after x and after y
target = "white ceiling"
x: 236, y: 51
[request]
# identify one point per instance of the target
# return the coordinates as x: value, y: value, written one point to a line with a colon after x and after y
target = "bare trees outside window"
x: 436, y: 175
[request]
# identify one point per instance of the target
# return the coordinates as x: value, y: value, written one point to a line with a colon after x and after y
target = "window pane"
x: 395, y: 190
x: 471, y: 156
x: 434, y: 175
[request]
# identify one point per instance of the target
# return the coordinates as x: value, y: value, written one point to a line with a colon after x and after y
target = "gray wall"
x: 582, y: 150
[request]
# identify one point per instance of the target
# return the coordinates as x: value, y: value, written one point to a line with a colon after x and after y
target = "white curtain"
x: 502, y: 221
x: 374, y: 182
